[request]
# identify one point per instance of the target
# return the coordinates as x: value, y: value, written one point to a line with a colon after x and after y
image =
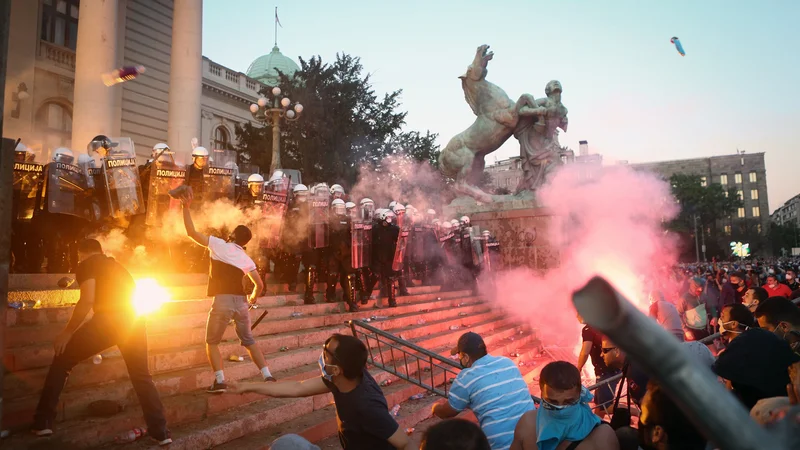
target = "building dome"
x: 265, y: 68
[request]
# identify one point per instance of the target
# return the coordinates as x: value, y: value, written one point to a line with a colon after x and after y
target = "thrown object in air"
x: 122, y: 75
x: 678, y: 45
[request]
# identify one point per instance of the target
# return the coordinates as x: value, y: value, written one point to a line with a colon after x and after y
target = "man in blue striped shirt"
x: 492, y: 387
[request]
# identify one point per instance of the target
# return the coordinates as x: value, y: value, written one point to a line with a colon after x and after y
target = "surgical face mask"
x: 723, y: 330
x: 322, y: 366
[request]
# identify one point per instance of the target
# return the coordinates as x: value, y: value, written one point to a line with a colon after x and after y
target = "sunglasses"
x: 551, y: 407
x: 606, y: 350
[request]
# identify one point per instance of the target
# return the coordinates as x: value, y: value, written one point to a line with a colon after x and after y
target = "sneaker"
x: 163, y: 441
x: 42, y: 432
x: 217, y: 388
x: 270, y: 380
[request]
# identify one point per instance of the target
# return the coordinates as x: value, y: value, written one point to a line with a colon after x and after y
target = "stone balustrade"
x: 61, y: 56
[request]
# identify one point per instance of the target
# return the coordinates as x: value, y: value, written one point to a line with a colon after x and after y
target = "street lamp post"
x: 271, y: 114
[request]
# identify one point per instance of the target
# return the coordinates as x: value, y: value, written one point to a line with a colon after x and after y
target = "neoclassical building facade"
x: 58, y: 50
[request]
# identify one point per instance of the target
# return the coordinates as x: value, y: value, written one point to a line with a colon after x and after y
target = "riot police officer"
x: 195, y: 176
x: 26, y: 243
x: 145, y: 169
x: 248, y: 198
x: 400, y: 259
x: 294, y: 240
x: 337, y: 192
x: 384, y: 240
x: 315, y: 255
x: 340, y: 257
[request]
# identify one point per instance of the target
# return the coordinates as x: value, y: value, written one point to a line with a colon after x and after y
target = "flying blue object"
x: 678, y: 45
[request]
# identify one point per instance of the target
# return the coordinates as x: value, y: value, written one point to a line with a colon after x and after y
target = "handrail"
x: 434, y: 361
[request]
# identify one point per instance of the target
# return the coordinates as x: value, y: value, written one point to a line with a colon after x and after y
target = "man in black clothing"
x: 107, y: 290
x: 593, y: 346
x: 733, y: 291
x: 361, y: 409
x: 340, y: 263
x: 384, y: 241
x: 791, y: 280
x: 616, y: 359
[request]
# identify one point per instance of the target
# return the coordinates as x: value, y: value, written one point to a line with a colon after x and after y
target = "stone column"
x: 96, y: 54
x: 185, y: 77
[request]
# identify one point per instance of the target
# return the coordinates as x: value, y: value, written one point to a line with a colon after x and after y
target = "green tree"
x: 709, y: 205
x: 344, y: 124
x: 783, y: 238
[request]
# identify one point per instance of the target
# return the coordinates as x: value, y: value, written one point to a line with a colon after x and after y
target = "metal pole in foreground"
x: 717, y: 414
x: 6, y: 186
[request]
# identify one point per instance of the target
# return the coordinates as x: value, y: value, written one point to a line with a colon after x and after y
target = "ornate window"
x: 222, y: 138
x: 54, y: 126
x: 60, y: 22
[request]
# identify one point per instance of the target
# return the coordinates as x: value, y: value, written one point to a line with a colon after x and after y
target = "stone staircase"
x: 177, y: 360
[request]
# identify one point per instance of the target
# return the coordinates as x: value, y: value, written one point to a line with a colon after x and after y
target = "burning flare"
x: 149, y: 296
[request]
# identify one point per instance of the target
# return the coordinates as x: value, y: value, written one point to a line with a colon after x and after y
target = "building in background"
x: 53, y: 80
x: 788, y: 213
x: 745, y: 172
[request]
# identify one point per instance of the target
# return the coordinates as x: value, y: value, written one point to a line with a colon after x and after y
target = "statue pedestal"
x: 523, y: 228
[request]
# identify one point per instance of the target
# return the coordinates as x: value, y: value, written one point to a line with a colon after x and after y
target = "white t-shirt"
x: 230, y: 253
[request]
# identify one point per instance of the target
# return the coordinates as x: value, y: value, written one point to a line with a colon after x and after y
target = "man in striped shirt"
x: 491, y: 386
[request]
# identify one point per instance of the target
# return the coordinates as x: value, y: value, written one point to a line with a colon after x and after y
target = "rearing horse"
x: 497, y: 116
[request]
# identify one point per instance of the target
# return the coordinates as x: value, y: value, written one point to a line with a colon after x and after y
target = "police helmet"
x: 337, y: 188
x: 398, y: 208
x: 447, y: 225
x: 431, y: 212
x: 349, y: 205
x: 435, y: 221
x: 455, y: 223
x: 84, y: 159
x: 338, y: 207
x: 464, y: 220
x: 63, y: 155
x: 486, y: 234
x: 391, y: 204
x: 300, y: 189
x: 21, y: 148
x: 255, y: 178
x: 100, y: 141
x: 320, y: 188
x: 276, y: 176
x: 199, y: 152
x: 366, y: 201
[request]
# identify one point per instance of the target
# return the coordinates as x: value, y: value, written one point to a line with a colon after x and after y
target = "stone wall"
x: 523, y: 230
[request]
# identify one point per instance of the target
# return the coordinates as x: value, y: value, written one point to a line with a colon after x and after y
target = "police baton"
x: 258, y: 321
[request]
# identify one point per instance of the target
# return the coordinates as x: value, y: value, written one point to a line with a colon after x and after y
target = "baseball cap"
x: 469, y: 343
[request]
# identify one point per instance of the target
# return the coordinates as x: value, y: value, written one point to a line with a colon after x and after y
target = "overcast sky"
x: 629, y: 92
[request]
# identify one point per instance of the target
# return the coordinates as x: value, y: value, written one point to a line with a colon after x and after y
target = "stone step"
x: 228, y: 417
x: 36, y: 329
x: 90, y: 388
x: 313, y: 425
x: 198, y: 303
x: 186, y: 330
x: 291, y: 333
x: 320, y: 426
x: 78, y: 396
x: 47, y: 281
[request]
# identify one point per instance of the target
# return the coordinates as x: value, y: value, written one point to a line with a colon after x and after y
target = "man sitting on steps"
x: 361, y: 409
x: 228, y: 263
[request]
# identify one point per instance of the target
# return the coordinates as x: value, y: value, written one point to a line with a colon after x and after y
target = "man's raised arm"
x: 190, y: 231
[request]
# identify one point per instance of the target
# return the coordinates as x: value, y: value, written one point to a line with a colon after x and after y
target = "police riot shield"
x: 122, y: 184
x: 98, y: 197
x: 165, y: 176
x: 361, y: 243
x: 476, y: 242
x: 65, y: 191
x: 318, y: 229
x: 402, y: 242
x: 27, y: 180
x: 417, y: 243
x: 220, y: 176
x: 274, y: 203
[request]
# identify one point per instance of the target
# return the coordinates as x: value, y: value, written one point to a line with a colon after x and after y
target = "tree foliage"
x: 783, y: 238
x: 710, y: 205
x: 344, y: 124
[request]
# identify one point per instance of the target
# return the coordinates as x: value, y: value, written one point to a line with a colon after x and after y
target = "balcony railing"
x: 60, y: 56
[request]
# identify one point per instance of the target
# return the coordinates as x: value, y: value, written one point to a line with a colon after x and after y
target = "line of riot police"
x: 358, y: 246
x: 57, y: 203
